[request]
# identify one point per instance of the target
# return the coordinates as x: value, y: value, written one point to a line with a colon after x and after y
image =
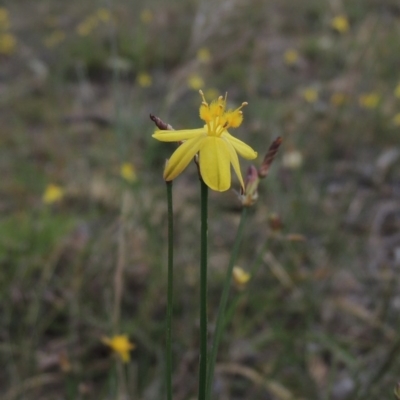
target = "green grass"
x: 74, y: 112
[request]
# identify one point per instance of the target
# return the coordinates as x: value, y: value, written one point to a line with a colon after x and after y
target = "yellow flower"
x: 146, y: 16
x: 397, y: 91
x: 369, y: 100
x: 240, y: 276
x: 203, y: 55
x: 396, y: 119
x: 52, y: 194
x: 338, y: 99
x: 87, y: 26
x: 340, y: 23
x: 128, y: 172
x: 310, y: 95
x: 216, y: 147
x: 121, y: 345
x: 195, y: 82
x: 144, y: 79
x: 4, y: 19
x: 54, y: 39
x: 8, y: 42
x: 103, y: 14
x: 291, y: 57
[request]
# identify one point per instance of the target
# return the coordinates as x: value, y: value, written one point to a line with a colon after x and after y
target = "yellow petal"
x: 235, y: 161
x: 215, y: 165
x: 242, y: 148
x: 182, y: 157
x: 177, y: 136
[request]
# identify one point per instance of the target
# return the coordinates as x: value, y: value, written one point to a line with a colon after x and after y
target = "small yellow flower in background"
x: 144, y: 79
x: 146, y: 16
x: 240, y: 276
x: 292, y: 159
x: 54, y: 39
x: 338, y: 99
x: 291, y: 57
x: 128, y: 172
x: 396, y: 119
x: 195, y: 82
x: 4, y: 19
x: 121, y: 345
x: 203, y: 55
x: 52, y: 194
x: 87, y: 25
x: 8, y: 43
x: 216, y: 147
x: 397, y: 91
x: 340, y: 23
x: 369, y: 100
x: 103, y: 14
x: 310, y: 95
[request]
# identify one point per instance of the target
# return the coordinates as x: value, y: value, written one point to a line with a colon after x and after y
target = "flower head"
x: 340, y: 23
x: 291, y: 57
x: 52, y: 194
x: 240, y: 276
x: 217, y: 149
x: 128, y: 172
x: 121, y: 345
x: 369, y: 100
x: 310, y: 95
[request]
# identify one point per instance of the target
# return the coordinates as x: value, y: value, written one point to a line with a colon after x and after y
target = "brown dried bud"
x: 273, y: 149
x: 161, y: 124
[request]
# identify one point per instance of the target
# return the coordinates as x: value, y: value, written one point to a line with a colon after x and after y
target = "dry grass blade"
x: 277, y: 390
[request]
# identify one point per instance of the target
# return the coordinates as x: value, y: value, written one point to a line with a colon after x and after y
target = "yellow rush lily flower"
x: 217, y: 149
x: 121, y: 345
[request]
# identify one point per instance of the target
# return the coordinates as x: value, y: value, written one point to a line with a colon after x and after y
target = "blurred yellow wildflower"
x: 8, y: 43
x: 397, y: 91
x: 54, y: 38
x: 340, y: 23
x: 144, y: 79
x: 52, y: 194
x: 396, y: 119
x: 310, y: 95
x: 195, y: 82
x: 128, y: 172
x: 121, y: 345
x: 4, y: 19
x: 204, y: 55
x: 338, y: 99
x: 217, y: 149
x: 240, y: 276
x: 291, y: 57
x: 87, y: 26
x: 103, y: 14
x: 146, y: 16
x: 369, y: 100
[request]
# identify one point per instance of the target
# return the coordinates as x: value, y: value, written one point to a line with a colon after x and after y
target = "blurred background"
x: 82, y: 199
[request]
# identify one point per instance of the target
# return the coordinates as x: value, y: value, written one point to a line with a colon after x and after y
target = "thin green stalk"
x: 223, y: 303
x: 170, y: 291
x: 203, y: 292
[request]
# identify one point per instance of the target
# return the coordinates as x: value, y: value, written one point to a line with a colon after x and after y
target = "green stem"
x: 203, y: 292
x: 170, y: 291
x: 223, y: 303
